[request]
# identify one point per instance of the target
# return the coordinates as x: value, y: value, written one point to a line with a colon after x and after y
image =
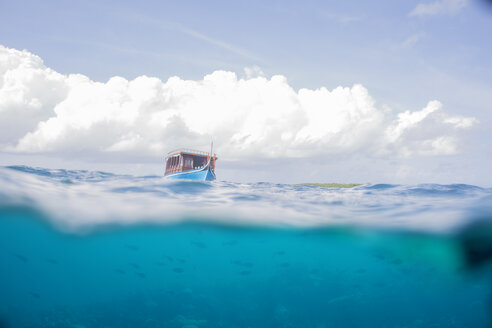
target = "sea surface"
x: 95, y: 249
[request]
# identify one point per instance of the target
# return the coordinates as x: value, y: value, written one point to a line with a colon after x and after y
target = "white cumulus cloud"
x: 43, y: 111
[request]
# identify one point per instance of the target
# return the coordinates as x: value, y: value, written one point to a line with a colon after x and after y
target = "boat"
x: 190, y: 164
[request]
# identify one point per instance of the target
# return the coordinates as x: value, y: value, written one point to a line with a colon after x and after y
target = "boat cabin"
x: 182, y: 160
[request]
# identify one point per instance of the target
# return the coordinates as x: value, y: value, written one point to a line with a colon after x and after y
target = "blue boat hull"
x: 205, y: 174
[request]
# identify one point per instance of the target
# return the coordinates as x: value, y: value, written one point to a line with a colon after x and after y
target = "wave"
x: 80, y: 199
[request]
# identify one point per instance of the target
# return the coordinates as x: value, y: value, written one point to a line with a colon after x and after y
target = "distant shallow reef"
x: 330, y: 185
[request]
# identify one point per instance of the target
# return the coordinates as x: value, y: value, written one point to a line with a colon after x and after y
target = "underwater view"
x: 94, y: 249
x: 245, y: 164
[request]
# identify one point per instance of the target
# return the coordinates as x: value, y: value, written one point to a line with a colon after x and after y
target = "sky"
x: 311, y: 91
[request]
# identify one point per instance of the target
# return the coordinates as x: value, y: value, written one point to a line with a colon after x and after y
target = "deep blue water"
x: 93, y: 249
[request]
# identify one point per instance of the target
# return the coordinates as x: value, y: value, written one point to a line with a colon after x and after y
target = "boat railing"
x: 180, y: 169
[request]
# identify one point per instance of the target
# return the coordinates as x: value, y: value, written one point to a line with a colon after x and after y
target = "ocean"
x: 95, y: 249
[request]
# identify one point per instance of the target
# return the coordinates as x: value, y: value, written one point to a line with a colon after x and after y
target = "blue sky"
x: 404, y: 57
x: 313, y: 43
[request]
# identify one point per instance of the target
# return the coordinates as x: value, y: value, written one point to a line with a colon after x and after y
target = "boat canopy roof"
x: 181, y: 151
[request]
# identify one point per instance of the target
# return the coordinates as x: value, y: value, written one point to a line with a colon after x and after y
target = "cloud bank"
x: 42, y: 111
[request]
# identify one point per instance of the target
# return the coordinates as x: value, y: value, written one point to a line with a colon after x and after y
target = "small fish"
x: 241, y: 263
x: 245, y: 273
x: 280, y: 253
x: 132, y: 247
x: 181, y: 260
x: 141, y: 275
x: 315, y: 278
x: 284, y: 265
x: 430, y: 270
x: 170, y: 292
x: 230, y: 243
x: 360, y: 271
x: 36, y: 295
x: 52, y: 261
x: 178, y: 270
x: 170, y: 258
x: 160, y: 263
x: 135, y: 265
x: 397, y: 261
x: 379, y: 256
x: 198, y: 244
x: 21, y: 257
x: 120, y: 271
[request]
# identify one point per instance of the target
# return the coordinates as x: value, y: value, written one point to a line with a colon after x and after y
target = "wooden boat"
x: 190, y: 164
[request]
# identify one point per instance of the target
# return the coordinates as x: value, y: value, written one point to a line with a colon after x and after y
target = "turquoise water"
x: 92, y: 249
